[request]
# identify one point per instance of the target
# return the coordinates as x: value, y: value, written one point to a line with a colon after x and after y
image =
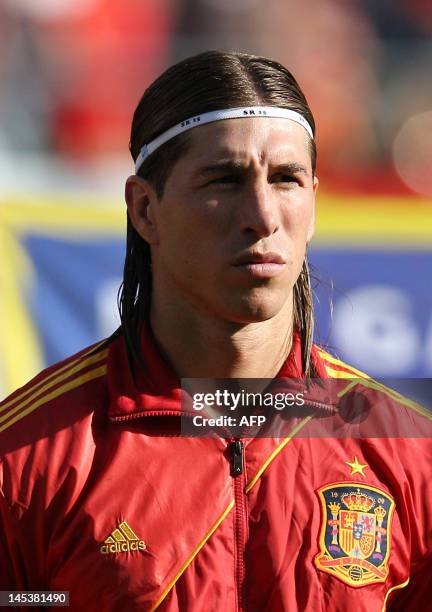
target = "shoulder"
x: 50, y: 426
x: 53, y: 392
x: 335, y: 367
x: 361, y: 382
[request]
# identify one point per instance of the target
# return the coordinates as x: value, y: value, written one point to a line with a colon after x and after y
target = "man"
x: 103, y: 497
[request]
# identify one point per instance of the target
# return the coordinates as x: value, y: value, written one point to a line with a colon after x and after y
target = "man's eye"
x: 283, y: 178
x: 228, y: 178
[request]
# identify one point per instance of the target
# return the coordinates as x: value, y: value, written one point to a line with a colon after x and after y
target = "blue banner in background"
x: 73, y: 299
x: 382, y: 309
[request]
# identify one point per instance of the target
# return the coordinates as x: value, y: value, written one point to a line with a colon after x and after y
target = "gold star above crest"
x: 356, y: 467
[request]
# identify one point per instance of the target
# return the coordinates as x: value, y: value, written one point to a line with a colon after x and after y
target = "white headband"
x: 231, y: 113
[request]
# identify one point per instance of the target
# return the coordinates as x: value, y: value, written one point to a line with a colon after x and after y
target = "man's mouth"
x: 260, y: 265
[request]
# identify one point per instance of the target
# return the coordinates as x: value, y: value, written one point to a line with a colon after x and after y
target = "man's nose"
x: 258, y: 210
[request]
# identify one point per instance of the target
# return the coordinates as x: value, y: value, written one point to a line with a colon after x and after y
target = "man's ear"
x: 141, y: 200
x: 311, y: 228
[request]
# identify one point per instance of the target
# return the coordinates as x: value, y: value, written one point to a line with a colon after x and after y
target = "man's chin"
x: 254, y: 310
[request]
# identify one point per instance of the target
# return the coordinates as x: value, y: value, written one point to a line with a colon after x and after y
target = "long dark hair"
x: 205, y: 82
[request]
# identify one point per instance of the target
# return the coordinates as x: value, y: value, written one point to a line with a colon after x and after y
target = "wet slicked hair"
x: 206, y: 82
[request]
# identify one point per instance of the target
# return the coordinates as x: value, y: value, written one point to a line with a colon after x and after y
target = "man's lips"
x: 260, y: 265
x: 261, y: 258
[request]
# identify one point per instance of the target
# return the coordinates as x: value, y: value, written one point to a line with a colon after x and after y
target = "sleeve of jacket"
x: 20, y: 560
x: 11, y: 576
x: 402, y: 434
x: 415, y: 469
x: 415, y: 466
x: 417, y: 460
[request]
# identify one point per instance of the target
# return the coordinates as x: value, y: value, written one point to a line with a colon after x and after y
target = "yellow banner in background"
x: 377, y: 220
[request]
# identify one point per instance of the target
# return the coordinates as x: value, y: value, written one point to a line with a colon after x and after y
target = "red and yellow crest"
x: 355, y: 532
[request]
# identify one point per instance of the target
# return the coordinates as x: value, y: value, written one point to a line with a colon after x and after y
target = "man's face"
x: 230, y: 231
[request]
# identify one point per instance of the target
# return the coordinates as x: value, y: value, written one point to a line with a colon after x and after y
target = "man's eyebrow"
x: 292, y: 168
x: 235, y: 166
x: 220, y: 166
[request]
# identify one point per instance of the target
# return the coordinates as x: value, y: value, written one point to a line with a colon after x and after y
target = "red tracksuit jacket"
x: 101, y: 497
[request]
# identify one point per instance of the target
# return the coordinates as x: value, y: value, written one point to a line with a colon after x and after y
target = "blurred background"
x: 71, y: 74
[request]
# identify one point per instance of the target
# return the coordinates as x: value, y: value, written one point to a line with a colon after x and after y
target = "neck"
x: 204, y: 346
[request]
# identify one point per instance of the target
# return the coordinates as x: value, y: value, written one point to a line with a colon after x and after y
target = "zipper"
x: 240, y: 516
x: 237, y: 457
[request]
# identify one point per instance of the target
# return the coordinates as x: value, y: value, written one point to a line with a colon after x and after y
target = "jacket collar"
x: 157, y: 390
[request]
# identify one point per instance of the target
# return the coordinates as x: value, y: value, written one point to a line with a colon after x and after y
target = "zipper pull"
x: 237, y: 457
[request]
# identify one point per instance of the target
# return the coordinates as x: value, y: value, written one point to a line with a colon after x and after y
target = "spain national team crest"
x: 355, y: 532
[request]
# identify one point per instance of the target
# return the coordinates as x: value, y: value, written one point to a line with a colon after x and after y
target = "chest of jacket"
x: 306, y: 524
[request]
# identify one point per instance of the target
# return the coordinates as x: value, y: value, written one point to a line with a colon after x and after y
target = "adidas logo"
x: 122, y: 539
